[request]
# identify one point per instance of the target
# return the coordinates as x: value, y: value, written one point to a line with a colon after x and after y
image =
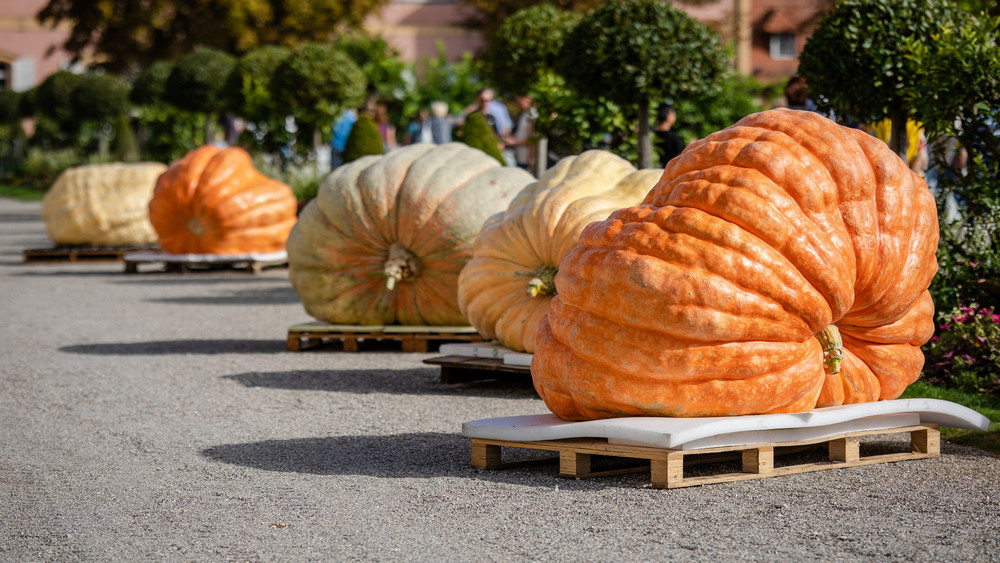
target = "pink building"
x: 25, y: 45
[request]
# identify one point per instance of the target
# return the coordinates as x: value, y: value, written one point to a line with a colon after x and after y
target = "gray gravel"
x: 158, y: 417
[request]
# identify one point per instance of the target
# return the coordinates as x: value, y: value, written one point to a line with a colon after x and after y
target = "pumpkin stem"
x: 401, y: 265
x: 833, y: 348
x: 544, y: 281
x: 195, y: 226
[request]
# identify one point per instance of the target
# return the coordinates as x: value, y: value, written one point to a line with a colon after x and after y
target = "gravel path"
x: 159, y: 417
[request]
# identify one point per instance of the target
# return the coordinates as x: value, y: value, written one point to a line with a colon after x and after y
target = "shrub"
x: 151, y: 83
x: 99, y: 96
x: 10, y: 103
x: 478, y: 134
x: 965, y: 354
x: 198, y: 81
x: 364, y: 139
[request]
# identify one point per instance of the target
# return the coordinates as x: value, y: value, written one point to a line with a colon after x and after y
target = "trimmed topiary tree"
x: 477, y: 133
x: 54, y: 110
x: 635, y: 51
x: 149, y: 87
x: 858, y: 62
x: 99, y: 98
x: 316, y: 83
x: 249, y: 95
x: 363, y: 140
x: 521, y: 60
x: 197, y: 83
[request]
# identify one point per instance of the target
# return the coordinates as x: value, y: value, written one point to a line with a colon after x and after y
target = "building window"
x: 783, y: 46
x: 4, y: 76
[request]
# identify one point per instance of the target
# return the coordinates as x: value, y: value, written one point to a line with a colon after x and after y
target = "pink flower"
x: 961, y: 319
x: 995, y: 319
x: 973, y: 264
x: 945, y: 327
x: 968, y: 311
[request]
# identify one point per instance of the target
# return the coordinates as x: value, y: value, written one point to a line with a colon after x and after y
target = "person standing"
x: 339, y: 133
x: 521, y: 141
x: 667, y: 142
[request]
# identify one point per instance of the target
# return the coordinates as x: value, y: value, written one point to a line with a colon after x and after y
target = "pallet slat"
x: 79, y: 253
x: 666, y: 466
x: 459, y: 369
x: 411, y: 338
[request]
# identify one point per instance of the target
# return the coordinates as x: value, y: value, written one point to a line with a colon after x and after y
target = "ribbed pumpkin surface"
x: 102, y: 204
x: 506, y: 288
x: 711, y: 298
x: 386, y: 236
x: 213, y: 201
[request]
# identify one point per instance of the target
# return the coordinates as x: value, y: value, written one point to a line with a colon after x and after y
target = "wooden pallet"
x: 250, y: 265
x: 354, y: 337
x: 459, y: 369
x: 667, y: 466
x: 80, y: 253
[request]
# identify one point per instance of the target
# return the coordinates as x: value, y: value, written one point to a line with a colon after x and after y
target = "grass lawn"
x: 987, y: 406
x: 20, y: 192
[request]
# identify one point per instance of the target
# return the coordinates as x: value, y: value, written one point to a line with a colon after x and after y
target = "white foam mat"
x: 167, y: 257
x: 710, y: 432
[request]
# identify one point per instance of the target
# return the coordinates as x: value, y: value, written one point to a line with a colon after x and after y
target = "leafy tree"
x: 99, y: 98
x: 53, y: 108
x: 249, y: 95
x: 478, y: 134
x: 527, y: 46
x: 10, y: 107
x: 316, y: 83
x: 520, y: 60
x: 248, y: 85
x: 634, y: 51
x: 455, y: 83
x: 363, y: 140
x: 149, y: 87
x: 197, y: 83
x: 384, y: 72
x: 129, y: 35
x: 490, y: 15
x: 857, y: 65
x: 957, y: 95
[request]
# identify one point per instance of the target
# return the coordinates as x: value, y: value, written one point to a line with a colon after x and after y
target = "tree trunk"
x: 898, y: 140
x: 209, y: 130
x: 645, y: 136
x: 541, y: 156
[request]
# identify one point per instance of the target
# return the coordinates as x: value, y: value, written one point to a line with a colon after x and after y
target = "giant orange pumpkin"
x: 213, y: 201
x: 779, y: 265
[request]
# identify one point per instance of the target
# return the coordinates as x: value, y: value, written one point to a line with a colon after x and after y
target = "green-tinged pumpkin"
x: 779, y: 265
x: 386, y: 236
x: 506, y: 288
x: 102, y: 205
x: 213, y: 201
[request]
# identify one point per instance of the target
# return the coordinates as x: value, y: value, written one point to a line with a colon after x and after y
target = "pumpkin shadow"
x: 256, y: 296
x: 169, y: 347
x: 411, y: 455
x: 416, y: 381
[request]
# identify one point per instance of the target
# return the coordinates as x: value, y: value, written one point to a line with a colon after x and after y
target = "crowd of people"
x: 516, y: 141
x: 435, y: 124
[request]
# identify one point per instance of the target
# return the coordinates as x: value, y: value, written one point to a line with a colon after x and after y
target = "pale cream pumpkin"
x: 386, y: 236
x: 506, y: 288
x: 102, y: 205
